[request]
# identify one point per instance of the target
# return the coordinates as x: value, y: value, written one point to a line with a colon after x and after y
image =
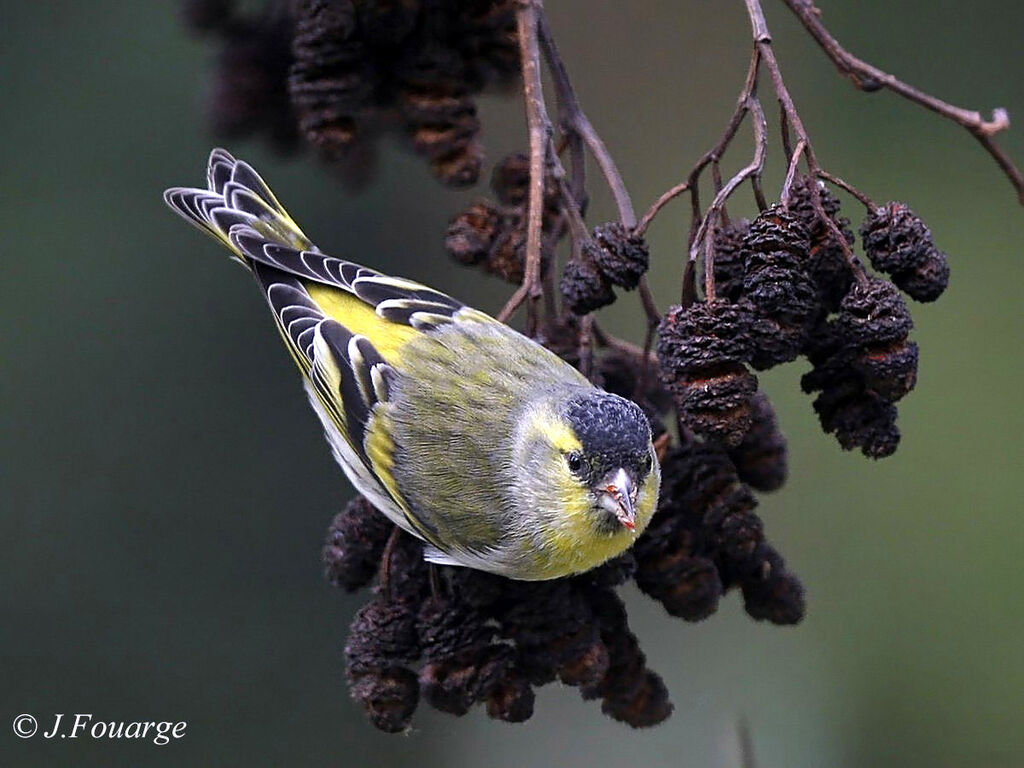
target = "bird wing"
x: 345, y: 325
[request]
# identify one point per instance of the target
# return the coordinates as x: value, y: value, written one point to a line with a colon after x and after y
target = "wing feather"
x: 394, y: 299
x: 345, y: 325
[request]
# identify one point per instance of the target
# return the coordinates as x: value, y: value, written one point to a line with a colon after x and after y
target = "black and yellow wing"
x: 345, y: 325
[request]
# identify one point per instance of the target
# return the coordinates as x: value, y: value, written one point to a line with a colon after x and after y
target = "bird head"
x: 593, y: 471
x: 614, y: 465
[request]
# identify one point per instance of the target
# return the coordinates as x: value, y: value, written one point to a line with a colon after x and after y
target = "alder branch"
x: 705, y: 232
x: 868, y: 78
x: 763, y: 41
x: 575, y: 122
x: 577, y: 127
x: 539, y: 127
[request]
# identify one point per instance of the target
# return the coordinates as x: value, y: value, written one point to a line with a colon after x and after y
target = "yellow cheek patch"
x: 647, y: 502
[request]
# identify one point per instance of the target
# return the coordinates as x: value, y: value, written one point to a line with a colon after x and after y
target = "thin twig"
x: 746, y: 744
x: 759, y: 198
x: 384, y: 577
x: 832, y: 179
x: 787, y: 142
x: 763, y: 41
x: 709, y: 257
x: 754, y: 166
x: 868, y: 78
x: 539, y: 127
x: 647, y: 300
x: 712, y: 157
x: 608, y: 341
x: 585, y: 348
x: 666, y: 197
x: 794, y: 161
x: 716, y: 152
x: 575, y: 121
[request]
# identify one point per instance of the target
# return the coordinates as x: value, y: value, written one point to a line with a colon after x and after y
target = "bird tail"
x: 236, y: 196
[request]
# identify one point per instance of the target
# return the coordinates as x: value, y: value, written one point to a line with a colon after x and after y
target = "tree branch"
x: 868, y: 78
x: 763, y: 42
x: 576, y: 122
x: 539, y: 126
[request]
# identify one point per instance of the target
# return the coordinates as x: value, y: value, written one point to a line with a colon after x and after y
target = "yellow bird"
x: 492, y: 450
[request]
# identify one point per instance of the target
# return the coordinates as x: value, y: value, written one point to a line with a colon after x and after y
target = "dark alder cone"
x: 894, y: 238
x: 471, y: 234
x: 928, y: 280
x: 488, y: 39
x: 826, y: 262
x: 687, y: 587
x: 337, y: 71
x: 494, y: 237
x: 778, y: 286
x: 555, y: 633
x: 620, y: 255
x: 408, y: 578
x: 584, y: 287
x: 761, y: 458
x: 673, y: 554
x: 507, y: 258
x: 873, y: 313
x: 874, y: 321
x: 561, y: 336
x: 387, y: 23
x: 702, y: 349
x: 621, y: 374
x: 440, y: 114
x: 612, y: 573
x: 248, y: 93
x: 772, y: 593
x: 494, y: 241
x: 462, y: 666
x: 858, y: 417
x: 511, y: 700
x: 332, y: 77
x: 381, y: 641
x: 630, y: 692
x: 206, y: 15
x: 510, y: 181
x: 899, y: 243
x: 889, y: 371
x: 355, y: 541
x: 729, y: 259
x: 705, y: 517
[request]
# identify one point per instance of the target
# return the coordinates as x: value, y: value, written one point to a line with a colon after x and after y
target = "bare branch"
x: 763, y: 42
x: 868, y: 78
x: 666, y: 197
x: 845, y: 185
x: 539, y: 127
x: 794, y: 161
x: 575, y: 121
x: 754, y: 167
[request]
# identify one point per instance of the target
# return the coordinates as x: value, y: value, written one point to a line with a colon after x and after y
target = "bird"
x: 465, y: 433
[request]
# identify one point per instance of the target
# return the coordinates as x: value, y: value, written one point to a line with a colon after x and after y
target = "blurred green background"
x: 165, y: 489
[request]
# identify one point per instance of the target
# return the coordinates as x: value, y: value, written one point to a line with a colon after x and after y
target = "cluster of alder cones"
x: 334, y: 73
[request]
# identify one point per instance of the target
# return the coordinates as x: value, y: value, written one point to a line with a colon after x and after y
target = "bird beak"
x: 618, y: 495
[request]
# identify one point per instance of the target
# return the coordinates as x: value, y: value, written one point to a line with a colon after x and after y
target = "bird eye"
x: 574, y: 461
